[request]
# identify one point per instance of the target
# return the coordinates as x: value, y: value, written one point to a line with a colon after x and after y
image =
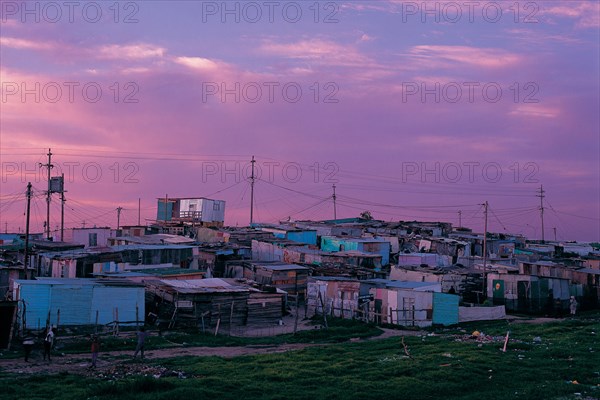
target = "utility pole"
x: 26, y: 260
x: 6, y: 227
x: 166, y: 203
x: 541, y: 196
x: 485, y: 212
x: 459, y: 218
x: 62, y: 210
x: 119, y: 209
x: 139, y: 209
x: 554, y: 233
x: 334, y: 205
x: 49, y: 193
x: 252, y: 179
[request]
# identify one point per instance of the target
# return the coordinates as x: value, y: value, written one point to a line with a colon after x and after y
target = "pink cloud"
x: 199, y: 63
x: 585, y: 13
x: 535, y: 110
x: 130, y: 51
x: 17, y: 43
x: 319, y: 51
x: 430, y: 55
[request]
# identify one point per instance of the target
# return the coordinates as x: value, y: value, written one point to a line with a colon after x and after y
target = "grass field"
x: 443, y: 364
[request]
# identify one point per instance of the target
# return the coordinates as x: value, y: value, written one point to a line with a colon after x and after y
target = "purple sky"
x: 414, y: 110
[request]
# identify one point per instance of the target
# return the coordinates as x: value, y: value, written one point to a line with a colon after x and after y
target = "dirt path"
x: 109, y: 362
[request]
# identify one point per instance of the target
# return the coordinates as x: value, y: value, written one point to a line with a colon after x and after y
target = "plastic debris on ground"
x: 122, y: 371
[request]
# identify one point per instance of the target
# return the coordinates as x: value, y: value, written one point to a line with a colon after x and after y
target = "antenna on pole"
x: 252, y: 180
x: 49, y: 193
x: 485, y: 212
x: 541, y: 196
x: 119, y: 209
x: 334, y: 205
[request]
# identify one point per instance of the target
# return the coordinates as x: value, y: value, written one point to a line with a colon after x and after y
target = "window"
x: 216, y: 207
x: 93, y: 239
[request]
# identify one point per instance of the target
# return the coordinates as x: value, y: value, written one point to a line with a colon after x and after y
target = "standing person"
x: 95, y: 350
x: 573, y: 306
x: 28, y: 342
x: 48, y: 341
x: 141, y: 341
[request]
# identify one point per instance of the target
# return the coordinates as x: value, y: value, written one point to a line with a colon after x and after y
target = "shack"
x: 213, y: 304
x: 333, y: 295
x: 290, y: 278
x: 408, y: 303
x: 529, y: 293
x: 63, y: 301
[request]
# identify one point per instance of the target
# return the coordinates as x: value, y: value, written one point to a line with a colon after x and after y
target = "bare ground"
x: 108, y: 362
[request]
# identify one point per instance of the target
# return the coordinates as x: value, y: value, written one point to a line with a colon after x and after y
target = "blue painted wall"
x: 78, y: 302
x: 445, y: 308
x: 334, y: 244
x: 306, y: 237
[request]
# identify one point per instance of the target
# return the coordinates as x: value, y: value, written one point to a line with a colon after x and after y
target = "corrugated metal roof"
x: 279, y: 266
x: 58, y: 281
x: 43, y: 281
x: 333, y: 278
x: 195, y: 283
x: 210, y: 285
x: 151, y: 247
x: 354, y: 253
x: 401, y: 284
x: 589, y: 271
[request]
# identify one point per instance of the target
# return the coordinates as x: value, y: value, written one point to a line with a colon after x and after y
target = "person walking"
x: 95, y: 350
x: 48, y: 342
x: 573, y: 306
x: 28, y: 342
x: 141, y: 341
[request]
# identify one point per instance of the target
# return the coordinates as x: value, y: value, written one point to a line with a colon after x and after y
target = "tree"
x: 366, y: 215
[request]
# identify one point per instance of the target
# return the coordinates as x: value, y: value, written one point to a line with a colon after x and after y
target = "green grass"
x: 445, y: 365
x: 339, y: 330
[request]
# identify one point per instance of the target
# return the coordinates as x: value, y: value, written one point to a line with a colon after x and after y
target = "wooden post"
x: 96, y: 329
x: 231, y: 317
x: 305, y: 304
x: 296, y: 320
x: 117, y: 321
x: 391, y: 316
x: 137, y: 315
x: 218, y: 320
x: 217, y: 328
x: 57, y: 318
x: 324, y: 312
x: 505, y: 342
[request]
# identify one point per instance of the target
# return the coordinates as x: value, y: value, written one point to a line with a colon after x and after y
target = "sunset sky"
x: 414, y: 110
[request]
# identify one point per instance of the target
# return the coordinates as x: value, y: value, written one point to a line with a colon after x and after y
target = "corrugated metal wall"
x: 73, y: 301
x: 37, y: 298
x: 445, y: 309
x: 78, y: 304
x: 106, y: 299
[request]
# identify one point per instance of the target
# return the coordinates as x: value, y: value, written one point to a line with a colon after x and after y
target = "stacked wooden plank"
x: 264, y: 308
